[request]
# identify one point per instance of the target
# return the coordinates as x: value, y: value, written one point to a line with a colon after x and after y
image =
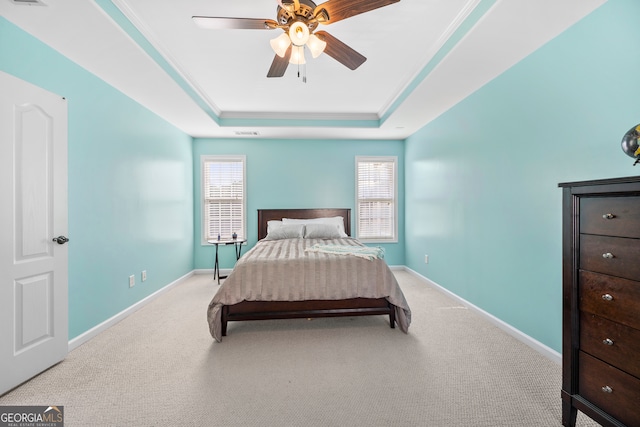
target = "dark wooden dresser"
x: 601, y: 301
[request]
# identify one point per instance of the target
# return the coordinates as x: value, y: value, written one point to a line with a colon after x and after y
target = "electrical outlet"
x: 144, y: 275
x: 426, y: 259
x: 132, y: 281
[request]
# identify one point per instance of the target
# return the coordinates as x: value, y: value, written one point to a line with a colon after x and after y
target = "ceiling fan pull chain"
x: 304, y: 72
x: 304, y: 67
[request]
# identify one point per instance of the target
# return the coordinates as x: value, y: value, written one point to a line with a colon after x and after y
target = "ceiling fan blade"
x: 342, y: 9
x: 279, y: 65
x: 340, y: 51
x: 221, y: 23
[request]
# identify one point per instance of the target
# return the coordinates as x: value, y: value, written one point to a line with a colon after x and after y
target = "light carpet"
x: 160, y: 367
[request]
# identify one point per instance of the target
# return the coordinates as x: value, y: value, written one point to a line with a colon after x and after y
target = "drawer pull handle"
x: 607, y: 341
x: 607, y: 389
x: 607, y: 297
x: 608, y: 216
x: 608, y: 255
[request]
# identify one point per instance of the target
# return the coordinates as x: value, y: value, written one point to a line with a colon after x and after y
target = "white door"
x: 33, y: 211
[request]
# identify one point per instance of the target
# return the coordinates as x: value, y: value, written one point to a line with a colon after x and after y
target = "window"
x: 376, y: 199
x: 223, y: 202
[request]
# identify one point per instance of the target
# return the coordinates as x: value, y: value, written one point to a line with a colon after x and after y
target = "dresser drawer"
x: 611, y: 255
x: 612, y: 390
x: 610, y: 216
x: 612, y: 342
x: 610, y: 297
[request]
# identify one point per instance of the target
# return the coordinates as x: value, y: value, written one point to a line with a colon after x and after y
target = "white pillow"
x: 291, y: 231
x: 273, y: 224
x: 338, y: 221
x: 321, y: 231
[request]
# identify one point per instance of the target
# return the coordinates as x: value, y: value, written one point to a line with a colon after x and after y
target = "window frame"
x: 204, y: 159
x: 370, y: 159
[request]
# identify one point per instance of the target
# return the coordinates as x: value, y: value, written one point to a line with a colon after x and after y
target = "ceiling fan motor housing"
x: 303, y: 14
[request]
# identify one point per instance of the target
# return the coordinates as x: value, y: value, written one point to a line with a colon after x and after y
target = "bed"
x: 294, y: 277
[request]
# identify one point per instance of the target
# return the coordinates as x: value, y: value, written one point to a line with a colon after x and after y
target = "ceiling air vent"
x: 28, y: 2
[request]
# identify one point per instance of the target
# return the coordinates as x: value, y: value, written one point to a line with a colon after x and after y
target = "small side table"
x: 238, y: 247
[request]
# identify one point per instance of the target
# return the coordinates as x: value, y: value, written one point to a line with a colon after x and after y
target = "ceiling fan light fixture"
x: 297, y: 55
x: 299, y: 33
x: 280, y: 44
x: 315, y: 45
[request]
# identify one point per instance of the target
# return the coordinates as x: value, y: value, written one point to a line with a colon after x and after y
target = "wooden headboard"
x: 265, y: 215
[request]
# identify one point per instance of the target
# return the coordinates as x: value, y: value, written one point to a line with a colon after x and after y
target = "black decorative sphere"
x: 630, y: 142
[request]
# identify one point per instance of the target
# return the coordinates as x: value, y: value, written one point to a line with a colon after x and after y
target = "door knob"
x: 61, y: 240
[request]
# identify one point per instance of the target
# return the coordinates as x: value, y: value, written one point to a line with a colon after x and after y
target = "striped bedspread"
x: 283, y: 270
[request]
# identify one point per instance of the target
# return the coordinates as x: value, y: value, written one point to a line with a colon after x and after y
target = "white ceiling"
x: 423, y: 56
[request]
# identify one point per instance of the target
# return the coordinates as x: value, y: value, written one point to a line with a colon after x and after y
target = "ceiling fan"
x: 300, y: 19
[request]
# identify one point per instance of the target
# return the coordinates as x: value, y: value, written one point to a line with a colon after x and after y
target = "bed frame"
x: 264, y: 310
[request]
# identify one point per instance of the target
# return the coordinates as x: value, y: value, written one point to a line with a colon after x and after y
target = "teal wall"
x: 130, y: 185
x: 481, y: 180
x: 296, y: 174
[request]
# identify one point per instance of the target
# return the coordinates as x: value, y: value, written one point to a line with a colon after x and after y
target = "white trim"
x: 146, y: 32
x: 546, y: 351
x: 223, y: 271
x: 91, y: 333
x: 454, y: 25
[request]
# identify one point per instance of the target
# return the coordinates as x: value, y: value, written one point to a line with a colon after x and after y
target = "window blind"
x: 376, y: 198
x: 223, y: 194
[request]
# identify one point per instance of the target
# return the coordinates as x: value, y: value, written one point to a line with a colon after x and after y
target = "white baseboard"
x: 223, y: 271
x: 83, y: 338
x: 546, y: 351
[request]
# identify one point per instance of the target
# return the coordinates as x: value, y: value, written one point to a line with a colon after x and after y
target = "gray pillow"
x: 321, y: 231
x: 293, y: 231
